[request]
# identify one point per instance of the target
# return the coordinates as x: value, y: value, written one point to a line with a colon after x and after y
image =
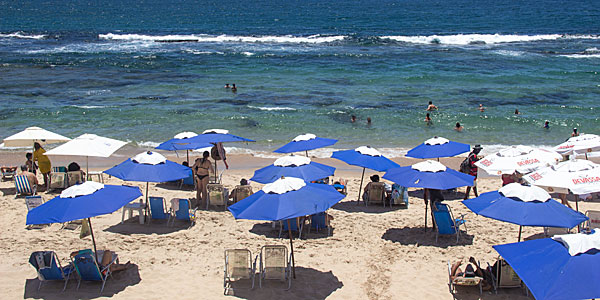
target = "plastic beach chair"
x: 275, y: 263
x: 594, y: 220
x: 183, y: 212
x: 376, y: 193
x: 48, y: 267
x: 295, y: 226
x: 462, y: 281
x: 33, y: 202
x: 22, y: 186
x: 190, y: 180
x: 217, y: 195
x: 58, y: 180
x: 238, y: 266
x: 445, y: 222
x: 319, y: 221
x: 88, y: 268
x: 157, y: 209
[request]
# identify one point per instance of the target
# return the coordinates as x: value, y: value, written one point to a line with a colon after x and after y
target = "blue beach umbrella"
x: 430, y: 175
x: 180, y: 142
x: 437, y: 147
x: 551, y: 272
x: 304, y: 143
x: 216, y: 136
x: 284, y: 199
x: 149, y: 167
x: 293, y: 166
x: 365, y: 157
x: 524, y: 206
x: 83, y: 201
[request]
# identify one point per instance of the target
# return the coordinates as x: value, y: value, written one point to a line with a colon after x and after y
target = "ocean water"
x: 147, y: 70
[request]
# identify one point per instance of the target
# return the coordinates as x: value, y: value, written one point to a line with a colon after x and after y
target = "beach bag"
x: 465, y: 167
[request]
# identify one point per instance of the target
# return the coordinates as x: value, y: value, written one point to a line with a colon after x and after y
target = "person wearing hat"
x: 472, y: 159
x: 374, y: 178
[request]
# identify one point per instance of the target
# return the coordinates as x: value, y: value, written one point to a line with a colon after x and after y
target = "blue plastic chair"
x: 157, y: 208
x: 190, y: 179
x: 184, y: 213
x: 293, y: 225
x: 445, y: 223
x: 48, y: 267
x: 319, y: 221
x: 88, y: 269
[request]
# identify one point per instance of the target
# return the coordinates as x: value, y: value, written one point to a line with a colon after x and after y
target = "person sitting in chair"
x: 243, y: 184
x: 471, y: 270
x: 374, y: 178
x: 74, y: 167
x: 33, y: 181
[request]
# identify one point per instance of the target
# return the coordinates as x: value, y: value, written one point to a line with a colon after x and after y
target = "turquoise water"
x: 146, y: 71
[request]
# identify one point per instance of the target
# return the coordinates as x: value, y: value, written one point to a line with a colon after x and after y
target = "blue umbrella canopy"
x: 104, y: 200
x: 438, y: 147
x: 305, y: 142
x: 428, y: 174
x: 365, y: 157
x: 149, y: 167
x: 181, y: 144
x: 525, y: 206
x: 216, y: 136
x: 293, y: 166
x: 551, y: 272
x: 286, y: 198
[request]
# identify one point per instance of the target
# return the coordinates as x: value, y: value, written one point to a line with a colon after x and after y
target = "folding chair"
x: 88, y: 268
x: 190, y: 180
x: 241, y: 192
x: 217, y: 195
x: 182, y: 211
x: 503, y: 275
x: 296, y: 225
x: 238, y: 266
x: 158, y: 209
x: 594, y: 220
x: 23, y: 187
x: 446, y: 223
x: 74, y: 177
x: 58, y: 180
x: 463, y: 281
x: 399, y: 196
x: 552, y: 231
x: 376, y: 193
x: 33, y: 202
x: 48, y: 267
x: 8, y: 172
x: 275, y: 263
x: 319, y: 221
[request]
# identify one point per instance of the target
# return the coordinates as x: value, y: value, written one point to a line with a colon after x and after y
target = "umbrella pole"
x: 360, y: 188
x: 577, y: 208
x: 87, y: 167
x: 292, y: 249
x: 187, y: 155
x: 586, y: 156
x: 520, y: 228
x: 93, y: 239
x: 146, y: 207
x: 306, y: 151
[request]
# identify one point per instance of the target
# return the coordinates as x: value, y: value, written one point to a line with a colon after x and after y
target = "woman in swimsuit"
x: 201, y: 168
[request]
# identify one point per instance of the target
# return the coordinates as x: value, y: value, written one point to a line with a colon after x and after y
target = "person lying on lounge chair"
x: 106, y: 259
x: 471, y: 270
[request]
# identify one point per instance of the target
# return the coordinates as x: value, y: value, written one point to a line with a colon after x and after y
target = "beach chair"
x: 217, y: 195
x: 275, y: 264
x: 74, y: 177
x: 158, y: 209
x: 340, y: 186
x: 33, y: 202
x: 376, y: 193
x: 59, y: 169
x: 241, y: 192
x: 552, y: 231
x: 503, y: 275
x: 319, y: 221
x: 296, y: 225
x: 23, y: 187
x: 399, y: 196
x: 238, y: 266
x: 48, y: 267
x: 593, y: 221
x: 8, y: 173
x: 190, y: 180
x: 182, y: 211
x: 88, y: 268
x: 446, y: 223
x: 463, y: 281
x: 58, y: 180
x: 213, y: 177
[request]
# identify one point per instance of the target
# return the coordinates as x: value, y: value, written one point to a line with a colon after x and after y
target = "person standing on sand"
x: 201, y: 169
x: 428, y: 120
x: 458, y: 127
x: 31, y: 166
x: 431, y: 107
x: 43, y: 163
x: 472, y: 159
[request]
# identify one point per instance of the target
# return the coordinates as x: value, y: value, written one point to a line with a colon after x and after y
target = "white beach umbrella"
x: 31, y: 135
x: 579, y: 176
x: 88, y: 145
x: 579, y: 144
x: 523, y: 159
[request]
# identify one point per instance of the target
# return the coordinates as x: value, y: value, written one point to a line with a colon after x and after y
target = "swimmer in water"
x: 428, y: 119
x: 227, y: 86
x: 546, y: 125
x: 431, y: 107
x: 458, y: 127
x: 517, y: 112
x: 353, y: 118
x: 368, y: 121
x: 574, y: 133
x: 481, y: 108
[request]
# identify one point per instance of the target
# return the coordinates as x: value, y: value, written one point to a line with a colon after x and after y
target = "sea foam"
x: 204, y: 38
x: 470, y: 39
x: 22, y: 35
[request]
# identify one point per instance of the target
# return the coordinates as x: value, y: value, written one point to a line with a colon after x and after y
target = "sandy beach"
x: 373, y: 252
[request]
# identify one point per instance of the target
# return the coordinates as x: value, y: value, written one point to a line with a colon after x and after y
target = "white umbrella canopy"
x: 88, y: 145
x: 31, y: 135
x: 579, y: 176
x: 523, y: 159
x: 579, y: 144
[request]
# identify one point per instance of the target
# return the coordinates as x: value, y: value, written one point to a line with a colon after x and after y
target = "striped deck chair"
x: 23, y: 187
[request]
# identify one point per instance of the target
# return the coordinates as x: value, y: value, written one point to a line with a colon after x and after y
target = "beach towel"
x: 175, y: 204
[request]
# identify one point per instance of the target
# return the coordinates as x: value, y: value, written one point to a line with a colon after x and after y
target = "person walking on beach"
x: 43, y: 163
x: 431, y: 107
x: 574, y: 133
x: 428, y: 120
x: 201, y: 169
x: 472, y: 170
x: 458, y: 127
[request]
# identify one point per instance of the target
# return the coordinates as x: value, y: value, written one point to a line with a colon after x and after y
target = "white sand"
x: 373, y: 253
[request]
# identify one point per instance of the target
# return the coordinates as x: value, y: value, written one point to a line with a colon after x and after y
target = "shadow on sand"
x: 354, y: 206
x: 417, y: 235
x: 88, y: 290
x: 309, y: 284
x: 132, y: 226
x: 267, y: 230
